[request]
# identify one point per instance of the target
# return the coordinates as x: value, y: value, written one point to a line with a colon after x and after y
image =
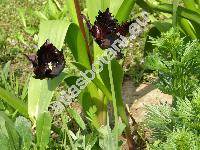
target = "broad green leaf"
x: 54, y: 30
x: 115, y: 5
x: 77, y: 118
x: 14, y: 138
x: 96, y: 81
x: 162, y: 26
x: 71, y: 80
x: 23, y: 127
x: 93, y: 7
x: 43, y: 129
x: 86, y: 101
x: 190, y: 4
x: 40, y: 93
x: 53, y: 10
x: 77, y: 45
x: 105, y: 77
x: 13, y: 101
x: 125, y: 10
x: 98, y: 52
x: 4, y: 142
x: 72, y: 11
x: 105, y: 4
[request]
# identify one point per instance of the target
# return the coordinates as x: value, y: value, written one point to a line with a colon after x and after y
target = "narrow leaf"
x: 77, y: 45
x: 43, y: 129
x: 125, y: 10
x: 13, y: 101
x: 14, y: 138
x: 77, y: 118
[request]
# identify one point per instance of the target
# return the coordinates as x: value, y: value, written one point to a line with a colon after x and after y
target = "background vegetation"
x: 37, y: 114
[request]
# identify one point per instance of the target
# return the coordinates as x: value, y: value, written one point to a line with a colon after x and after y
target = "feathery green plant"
x: 177, y: 64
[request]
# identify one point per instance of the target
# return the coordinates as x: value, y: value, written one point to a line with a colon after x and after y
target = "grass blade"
x: 13, y: 101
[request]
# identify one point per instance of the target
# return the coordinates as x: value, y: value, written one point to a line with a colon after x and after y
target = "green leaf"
x: 77, y: 45
x: 53, y: 10
x: 13, y: 101
x: 71, y: 80
x: 77, y: 118
x: 5, y: 75
x: 105, y: 4
x: 118, y: 75
x: 43, y: 129
x: 187, y: 27
x: 14, y: 138
x: 72, y: 11
x: 174, y: 14
x: 115, y: 5
x: 21, y: 12
x: 125, y: 10
x: 4, y: 142
x: 40, y: 93
x: 54, y: 30
x: 107, y: 140
x: 168, y: 8
x: 92, y: 116
x: 96, y: 81
x: 40, y: 15
x: 23, y: 127
x: 162, y: 26
x: 104, y: 74
x: 93, y: 7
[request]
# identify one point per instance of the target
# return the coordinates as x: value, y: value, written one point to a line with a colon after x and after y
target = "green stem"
x: 175, y: 6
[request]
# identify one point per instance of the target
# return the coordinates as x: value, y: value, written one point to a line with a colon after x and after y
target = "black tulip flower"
x: 48, y: 62
x: 106, y: 29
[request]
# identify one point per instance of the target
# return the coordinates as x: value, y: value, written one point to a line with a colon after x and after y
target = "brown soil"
x: 137, y: 97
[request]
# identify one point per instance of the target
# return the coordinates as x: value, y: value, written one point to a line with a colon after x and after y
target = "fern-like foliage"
x: 177, y: 64
x: 175, y: 127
